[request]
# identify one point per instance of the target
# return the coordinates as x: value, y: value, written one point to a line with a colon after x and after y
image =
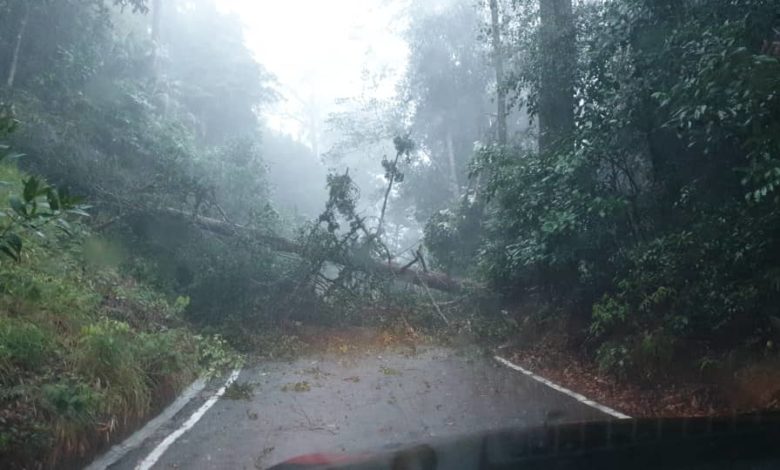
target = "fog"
x: 342, y: 41
x: 352, y: 67
x: 187, y: 187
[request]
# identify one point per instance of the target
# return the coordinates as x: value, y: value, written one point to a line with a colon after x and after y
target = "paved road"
x: 333, y: 403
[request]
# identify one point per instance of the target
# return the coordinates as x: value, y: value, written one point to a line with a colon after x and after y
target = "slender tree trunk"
x: 556, y: 92
x: 453, y: 168
x: 18, y: 46
x: 156, y: 10
x: 156, y: 21
x: 157, y: 18
x: 498, y: 60
x: 380, y: 227
x: 315, y: 138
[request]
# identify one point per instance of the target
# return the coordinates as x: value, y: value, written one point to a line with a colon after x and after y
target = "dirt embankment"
x: 747, y: 389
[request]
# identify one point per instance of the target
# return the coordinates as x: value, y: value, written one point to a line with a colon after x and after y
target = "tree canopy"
x: 607, y: 169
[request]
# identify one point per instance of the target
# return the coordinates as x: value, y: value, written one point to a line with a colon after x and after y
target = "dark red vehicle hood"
x: 748, y: 441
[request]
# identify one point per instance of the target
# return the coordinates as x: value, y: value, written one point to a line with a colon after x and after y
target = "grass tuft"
x: 86, y: 351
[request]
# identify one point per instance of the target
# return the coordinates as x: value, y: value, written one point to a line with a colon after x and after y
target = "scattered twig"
x: 422, y: 259
x: 106, y: 224
x: 452, y: 302
x: 433, y: 301
x: 410, y: 264
x: 311, y: 425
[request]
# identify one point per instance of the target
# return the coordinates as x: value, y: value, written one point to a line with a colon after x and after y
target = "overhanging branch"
x: 433, y: 280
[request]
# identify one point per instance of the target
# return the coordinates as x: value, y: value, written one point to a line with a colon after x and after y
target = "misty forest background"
x: 606, y: 169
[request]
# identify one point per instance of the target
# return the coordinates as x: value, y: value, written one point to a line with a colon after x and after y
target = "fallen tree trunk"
x: 433, y: 280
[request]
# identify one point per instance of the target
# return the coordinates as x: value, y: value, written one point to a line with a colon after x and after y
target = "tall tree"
x: 557, y: 60
x: 447, y: 83
x: 215, y: 76
x: 157, y: 15
x: 498, y: 63
x: 156, y: 19
x: 18, y: 46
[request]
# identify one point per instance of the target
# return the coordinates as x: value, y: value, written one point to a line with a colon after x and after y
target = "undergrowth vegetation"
x: 86, y: 352
x: 607, y: 170
x: 649, y: 218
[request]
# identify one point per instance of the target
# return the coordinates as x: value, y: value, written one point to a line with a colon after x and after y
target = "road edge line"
x: 577, y: 396
x: 163, y: 446
x: 121, y: 449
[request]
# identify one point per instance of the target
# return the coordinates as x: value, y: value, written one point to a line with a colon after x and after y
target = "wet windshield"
x: 236, y: 232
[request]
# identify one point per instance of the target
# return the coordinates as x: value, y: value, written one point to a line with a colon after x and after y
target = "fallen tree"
x: 433, y: 280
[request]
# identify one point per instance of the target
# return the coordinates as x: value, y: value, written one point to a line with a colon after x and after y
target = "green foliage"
x: 609, y: 314
x: 614, y: 357
x: 453, y: 237
x: 660, y: 210
x: 82, y: 345
x: 106, y: 357
x: 239, y: 391
x: 166, y: 357
x: 37, y: 204
x: 139, y: 132
x: 447, y: 87
x: 644, y: 357
x: 491, y: 329
x: 23, y: 345
x: 342, y: 203
x: 76, y: 403
x: 550, y: 226
x: 215, y: 354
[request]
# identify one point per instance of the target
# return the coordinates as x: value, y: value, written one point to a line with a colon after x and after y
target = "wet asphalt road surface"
x: 362, y: 402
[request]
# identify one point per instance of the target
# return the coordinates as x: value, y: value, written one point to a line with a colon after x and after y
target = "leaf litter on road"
x: 297, y: 387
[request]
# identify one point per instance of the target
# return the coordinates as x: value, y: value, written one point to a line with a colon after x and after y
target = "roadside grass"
x: 86, y: 352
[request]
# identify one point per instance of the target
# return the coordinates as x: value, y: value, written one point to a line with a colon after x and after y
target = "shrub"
x: 645, y: 357
x: 608, y: 314
x: 107, y: 357
x: 73, y: 408
x: 215, y: 354
x: 168, y: 358
x: 614, y: 357
x: 22, y: 345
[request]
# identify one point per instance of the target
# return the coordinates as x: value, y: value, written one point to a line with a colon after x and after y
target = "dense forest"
x: 607, y: 170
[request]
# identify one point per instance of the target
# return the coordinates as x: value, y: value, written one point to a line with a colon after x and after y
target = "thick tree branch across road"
x: 433, y: 280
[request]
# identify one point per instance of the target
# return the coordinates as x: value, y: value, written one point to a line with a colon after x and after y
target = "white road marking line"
x: 158, y: 451
x: 118, y: 451
x: 580, y: 398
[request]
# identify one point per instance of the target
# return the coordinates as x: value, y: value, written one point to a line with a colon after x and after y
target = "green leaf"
x: 18, y: 206
x: 54, y: 199
x: 765, y: 59
x: 69, y: 202
x: 11, y: 245
x: 63, y: 225
x: 79, y: 210
x: 31, y: 187
x: 9, y: 253
x: 13, y: 156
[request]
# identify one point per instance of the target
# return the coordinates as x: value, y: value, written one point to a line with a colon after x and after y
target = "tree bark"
x: 380, y: 226
x: 156, y: 21
x: 157, y: 15
x: 18, y: 46
x: 556, y: 91
x: 498, y: 62
x: 453, y: 167
x: 433, y: 280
